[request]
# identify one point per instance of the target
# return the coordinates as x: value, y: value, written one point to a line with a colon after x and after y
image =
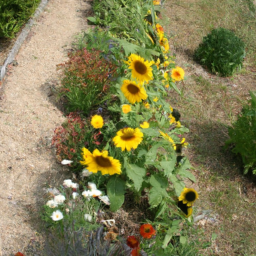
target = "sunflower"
x: 97, y: 121
x: 156, y: 2
x: 167, y: 137
x: 159, y: 28
x: 133, y: 92
x: 188, y: 196
x: 185, y: 209
x: 100, y: 161
x: 126, y: 108
x: 144, y: 125
x: 141, y: 69
x: 128, y: 138
x: 178, y: 74
x: 164, y: 42
x: 147, y: 231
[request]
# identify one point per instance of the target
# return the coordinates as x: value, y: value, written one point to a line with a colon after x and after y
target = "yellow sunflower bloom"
x: 172, y: 119
x: 178, y: 74
x: 128, y: 138
x: 85, y: 153
x: 144, y: 125
x: 159, y: 28
x: 133, y: 92
x: 126, y: 108
x: 141, y: 69
x: 187, y: 211
x: 156, y: 2
x: 188, y: 196
x: 167, y: 137
x: 97, y: 121
x: 100, y: 161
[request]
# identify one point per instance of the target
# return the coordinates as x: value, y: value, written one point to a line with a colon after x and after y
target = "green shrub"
x: 13, y: 14
x: 243, y: 135
x: 221, y: 51
x: 86, y: 80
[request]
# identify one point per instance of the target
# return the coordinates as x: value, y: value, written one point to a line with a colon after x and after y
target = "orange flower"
x: 147, y: 231
x: 19, y: 254
x: 132, y: 242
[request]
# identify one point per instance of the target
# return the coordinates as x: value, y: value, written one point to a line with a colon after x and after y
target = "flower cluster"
x: 186, y: 201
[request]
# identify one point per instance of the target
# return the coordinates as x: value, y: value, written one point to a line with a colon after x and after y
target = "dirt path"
x: 28, y: 119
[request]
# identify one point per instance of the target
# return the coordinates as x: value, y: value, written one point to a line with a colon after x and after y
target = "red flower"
x: 19, y: 254
x: 147, y: 231
x: 132, y: 242
x: 135, y: 252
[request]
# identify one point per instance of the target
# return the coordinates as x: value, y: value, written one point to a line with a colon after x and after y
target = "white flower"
x: 51, y: 204
x: 74, y: 185
x: 88, y: 217
x: 65, y: 161
x: 59, y: 199
x: 105, y: 199
x: 75, y: 195
x: 87, y: 194
x: 86, y: 173
x: 57, y: 215
x: 67, y: 183
x: 96, y: 192
x: 92, y: 186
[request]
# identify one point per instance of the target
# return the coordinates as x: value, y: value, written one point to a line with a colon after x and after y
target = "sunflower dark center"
x: 140, y: 67
x: 102, y: 161
x: 127, y: 137
x: 133, y: 89
x: 190, y: 196
x: 183, y: 207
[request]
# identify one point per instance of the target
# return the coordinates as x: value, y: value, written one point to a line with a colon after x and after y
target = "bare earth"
x: 28, y: 119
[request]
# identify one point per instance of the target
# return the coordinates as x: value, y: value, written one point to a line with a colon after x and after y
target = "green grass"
x: 208, y: 105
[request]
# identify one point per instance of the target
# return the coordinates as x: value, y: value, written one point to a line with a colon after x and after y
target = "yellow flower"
x: 164, y: 42
x: 146, y: 105
x: 171, y: 108
x: 128, y: 138
x: 156, y: 2
x: 188, y: 196
x: 172, y: 119
x: 141, y: 69
x: 159, y: 28
x: 166, y: 63
x: 126, y: 108
x: 178, y: 74
x: 133, y: 92
x: 178, y: 124
x: 167, y: 137
x: 166, y: 81
x: 100, y: 161
x: 155, y: 99
x: 144, y: 125
x: 187, y: 211
x: 157, y: 63
x: 97, y: 121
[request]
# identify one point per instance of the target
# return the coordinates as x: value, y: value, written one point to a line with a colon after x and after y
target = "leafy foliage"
x: 86, y: 80
x: 13, y: 14
x: 221, y: 52
x: 243, y: 133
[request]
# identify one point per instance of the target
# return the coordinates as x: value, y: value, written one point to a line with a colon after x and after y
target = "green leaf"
x: 115, y: 191
x: 142, y: 152
x: 184, y: 165
x: 92, y: 19
x: 150, y: 132
x: 187, y: 174
x: 158, y: 181
x: 183, y: 240
x: 178, y: 185
x: 151, y: 155
x: 168, y: 166
x: 155, y: 198
x: 161, y: 209
x: 170, y: 232
x: 136, y: 174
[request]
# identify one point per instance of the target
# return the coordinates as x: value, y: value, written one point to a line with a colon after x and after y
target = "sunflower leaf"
x: 155, y: 198
x: 168, y: 166
x: 115, y: 192
x: 136, y: 174
x: 178, y: 185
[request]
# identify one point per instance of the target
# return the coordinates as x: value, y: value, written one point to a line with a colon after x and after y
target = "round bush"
x: 221, y: 51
